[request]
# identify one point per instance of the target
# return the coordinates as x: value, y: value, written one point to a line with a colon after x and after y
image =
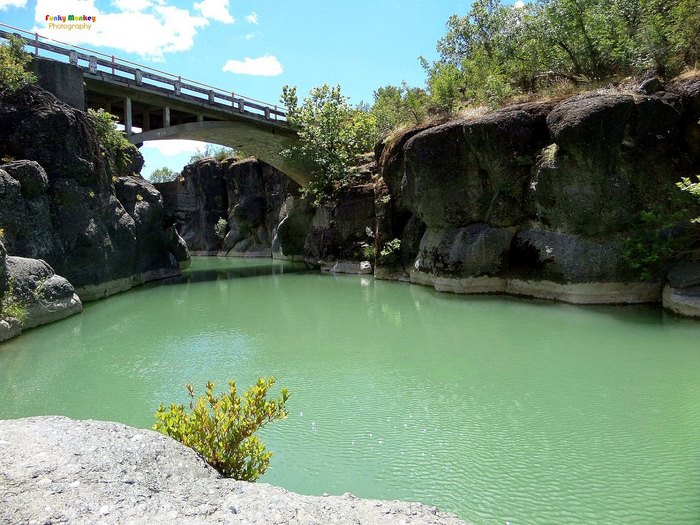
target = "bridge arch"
x: 262, y: 141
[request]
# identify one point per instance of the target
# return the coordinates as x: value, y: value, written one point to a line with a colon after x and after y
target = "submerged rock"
x: 58, y: 470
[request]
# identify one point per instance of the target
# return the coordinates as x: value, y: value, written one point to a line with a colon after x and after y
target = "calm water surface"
x: 498, y: 409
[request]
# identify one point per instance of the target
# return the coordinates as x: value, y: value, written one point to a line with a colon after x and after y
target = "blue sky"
x: 254, y: 47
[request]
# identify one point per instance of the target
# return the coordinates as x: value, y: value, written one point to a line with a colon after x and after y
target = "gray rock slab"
x: 58, y: 470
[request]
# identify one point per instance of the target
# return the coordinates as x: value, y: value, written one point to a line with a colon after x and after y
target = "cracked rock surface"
x: 59, y: 470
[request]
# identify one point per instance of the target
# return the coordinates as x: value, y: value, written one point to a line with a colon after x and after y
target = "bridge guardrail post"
x: 211, y: 96
x: 267, y: 113
x: 73, y: 58
x: 36, y: 44
x: 138, y: 77
x: 233, y: 99
x: 93, y: 64
x: 177, y: 85
x: 241, y: 105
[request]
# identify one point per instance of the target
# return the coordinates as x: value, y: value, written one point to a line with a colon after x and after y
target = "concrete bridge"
x: 155, y: 105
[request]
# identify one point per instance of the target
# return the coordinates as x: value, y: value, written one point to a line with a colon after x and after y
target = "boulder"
x: 59, y: 470
x: 47, y: 297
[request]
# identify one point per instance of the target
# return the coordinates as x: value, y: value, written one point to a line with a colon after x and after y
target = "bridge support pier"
x: 166, y: 116
x: 128, y: 120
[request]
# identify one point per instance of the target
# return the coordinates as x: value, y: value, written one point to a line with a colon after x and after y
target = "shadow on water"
x: 642, y: 314
x: 214, y: 271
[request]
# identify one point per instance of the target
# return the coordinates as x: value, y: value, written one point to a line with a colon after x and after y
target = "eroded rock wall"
x: 61, y: 199
x: 542, y: 198
x: 248, y: 194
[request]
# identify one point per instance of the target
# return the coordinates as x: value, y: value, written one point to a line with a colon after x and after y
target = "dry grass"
x: 689, y: 74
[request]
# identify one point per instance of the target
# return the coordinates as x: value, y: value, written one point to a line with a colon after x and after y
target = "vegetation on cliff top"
x: 492, y: 54
x: 13, y: 66
x: 332, y: 135
x: 117, y: 148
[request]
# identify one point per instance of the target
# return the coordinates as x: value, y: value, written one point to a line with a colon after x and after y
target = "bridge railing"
x: 96, y: 63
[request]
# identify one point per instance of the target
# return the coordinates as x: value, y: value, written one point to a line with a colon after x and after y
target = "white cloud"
x: 216, y: 10
x: 252, y: 18
x: 4, y: 4
x: 160, y: 28
x: 132, y: 5
x: 173, y: 147
x: 250, y: 36
x: 519, y: 4
x: 265, y: 66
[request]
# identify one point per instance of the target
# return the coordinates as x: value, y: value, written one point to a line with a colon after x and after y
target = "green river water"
x: 499, y: 409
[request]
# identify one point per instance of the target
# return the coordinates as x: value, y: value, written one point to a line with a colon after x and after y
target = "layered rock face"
x: 58, y: 470
x: 248, y: 194
x: 541, y: 199
x: 62, y: 201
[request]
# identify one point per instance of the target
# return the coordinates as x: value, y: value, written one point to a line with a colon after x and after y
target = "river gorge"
x: 500, y: 409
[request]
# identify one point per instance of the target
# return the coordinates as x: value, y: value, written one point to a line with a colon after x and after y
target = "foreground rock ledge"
x: 58, y: 470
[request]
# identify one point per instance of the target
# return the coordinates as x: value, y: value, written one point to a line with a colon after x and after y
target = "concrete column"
x: 146, y: 120
x: 166, y: 116
x: 138, y: 77
x: 93, y: 64
x: 128, y: 120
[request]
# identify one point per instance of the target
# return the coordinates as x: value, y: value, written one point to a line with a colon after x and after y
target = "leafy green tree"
x: 497, y: 50
x: 13, y: 66
x: 396, y: 106
x: 163, y: 174
x: 222, y: 429
x: 218, y: 153
x: 332, y: 135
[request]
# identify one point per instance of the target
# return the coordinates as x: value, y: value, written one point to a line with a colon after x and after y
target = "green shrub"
x: 220, y: 228
x: 13, y: 66
x: 222, y: 429
x: 11, y: 306
x: 119, y: 149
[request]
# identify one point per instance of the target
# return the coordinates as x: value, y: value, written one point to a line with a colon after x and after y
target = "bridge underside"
x: 248, y: 137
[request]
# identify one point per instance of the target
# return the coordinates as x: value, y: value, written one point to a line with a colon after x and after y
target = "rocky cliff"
x: 559, y: 199
x: 63, y: 201
x: 248, y: 194
x: 57, y: 470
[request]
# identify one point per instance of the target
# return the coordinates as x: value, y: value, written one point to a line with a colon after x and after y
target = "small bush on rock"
x: 119, y: 149
x: 222, y: 429
x: 220, y: 228
x: 11, y: 306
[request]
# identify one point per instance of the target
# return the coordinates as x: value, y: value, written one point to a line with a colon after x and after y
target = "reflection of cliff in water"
x: 259, y: 269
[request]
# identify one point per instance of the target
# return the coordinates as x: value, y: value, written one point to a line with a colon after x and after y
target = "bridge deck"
x: 108, y: 77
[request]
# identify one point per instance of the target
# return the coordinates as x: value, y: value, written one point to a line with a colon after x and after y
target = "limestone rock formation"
x: 546, y: 199
x: 59, y: 202
x: 248, y: 194
x: 58, y: 470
